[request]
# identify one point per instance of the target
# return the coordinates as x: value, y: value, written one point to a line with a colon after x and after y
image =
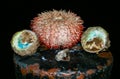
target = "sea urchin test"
x: 58, y: 29
x: 95, y: 39
x: 24, y: 42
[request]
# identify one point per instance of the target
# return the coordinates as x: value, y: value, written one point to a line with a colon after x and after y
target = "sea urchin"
x: 58, y: 29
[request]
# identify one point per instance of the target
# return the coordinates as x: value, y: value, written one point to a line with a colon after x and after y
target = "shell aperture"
x: 95, y: 39
x: 24, y: 42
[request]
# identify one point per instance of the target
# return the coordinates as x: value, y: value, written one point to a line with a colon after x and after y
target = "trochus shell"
x: 95, y: 39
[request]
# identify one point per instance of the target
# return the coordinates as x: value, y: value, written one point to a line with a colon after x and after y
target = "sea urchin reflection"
x: 95, y: 39
x: 24, y: 42
x: 58, y: 29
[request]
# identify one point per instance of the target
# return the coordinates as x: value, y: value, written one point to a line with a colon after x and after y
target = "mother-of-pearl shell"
x: 24, y: 42
x: 95, y: 39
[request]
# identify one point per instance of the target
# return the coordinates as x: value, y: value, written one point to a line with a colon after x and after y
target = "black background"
x: 18, y: 15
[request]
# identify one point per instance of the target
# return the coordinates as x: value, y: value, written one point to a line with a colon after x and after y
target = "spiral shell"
x: 58, y: 29
x: 95, y: 39
x: 24, y: 42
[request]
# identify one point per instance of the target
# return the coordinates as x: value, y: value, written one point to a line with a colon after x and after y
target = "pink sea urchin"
x: 58, y: 29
